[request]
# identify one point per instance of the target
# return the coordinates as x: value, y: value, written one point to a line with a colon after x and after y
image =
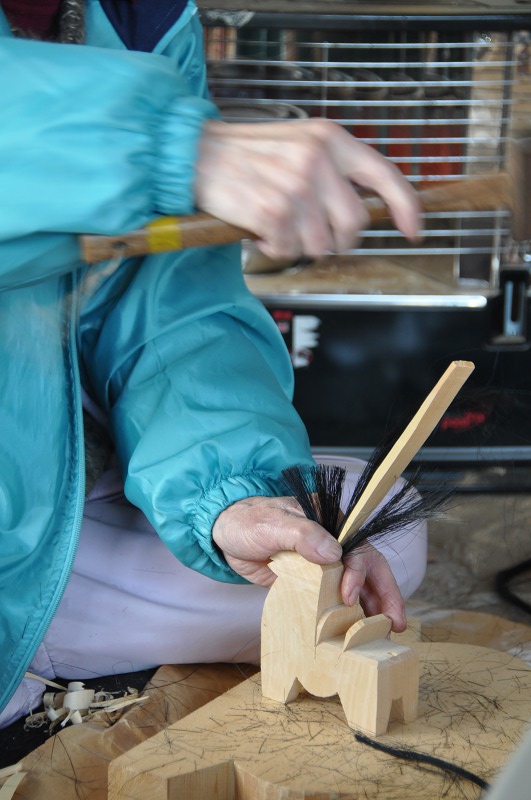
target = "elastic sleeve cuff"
x: 216, y: 500
x: 177, y: 150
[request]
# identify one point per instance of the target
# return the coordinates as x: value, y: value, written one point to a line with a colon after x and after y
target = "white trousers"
x: 131, y: 605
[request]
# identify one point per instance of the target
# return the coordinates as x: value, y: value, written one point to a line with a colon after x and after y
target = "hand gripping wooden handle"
x: 408, y: 444
x: 178, y: 233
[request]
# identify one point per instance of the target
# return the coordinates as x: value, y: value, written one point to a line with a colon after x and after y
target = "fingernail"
x: 330, y: 550
x: 352, y: 598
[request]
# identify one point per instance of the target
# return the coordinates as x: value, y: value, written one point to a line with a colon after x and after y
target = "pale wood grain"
x: 311, y: 641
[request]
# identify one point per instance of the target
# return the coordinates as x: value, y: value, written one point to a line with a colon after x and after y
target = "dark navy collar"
x: 141, y: 24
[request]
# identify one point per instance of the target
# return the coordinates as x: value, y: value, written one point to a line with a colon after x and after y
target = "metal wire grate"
x: 441, y: 105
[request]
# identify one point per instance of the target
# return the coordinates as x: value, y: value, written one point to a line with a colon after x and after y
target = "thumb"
x: 317, y: 545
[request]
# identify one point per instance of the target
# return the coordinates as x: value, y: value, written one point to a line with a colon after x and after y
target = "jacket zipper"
x: 79, y: 480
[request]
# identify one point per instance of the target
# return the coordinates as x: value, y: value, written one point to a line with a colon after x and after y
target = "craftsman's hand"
x: 250, y: 531
x: 293, y: 184
x: 368, y: 577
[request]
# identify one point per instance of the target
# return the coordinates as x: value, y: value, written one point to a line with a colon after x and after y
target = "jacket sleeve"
x: 197, y: 386
x: 91, y: 141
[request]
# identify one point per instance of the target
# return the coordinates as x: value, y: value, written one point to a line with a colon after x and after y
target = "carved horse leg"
x: 378, y: 680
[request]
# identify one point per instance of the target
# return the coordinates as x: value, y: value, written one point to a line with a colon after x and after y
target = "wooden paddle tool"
x: 479, y: 193
x: 312, y: 641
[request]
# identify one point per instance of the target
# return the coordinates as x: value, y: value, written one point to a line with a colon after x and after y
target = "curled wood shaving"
x: 44, y: 680
x: 75, y: 705
x: 10, y: 786
x: 5, y: 772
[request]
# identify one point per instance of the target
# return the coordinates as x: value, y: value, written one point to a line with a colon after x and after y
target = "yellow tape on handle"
x: 164, y: 234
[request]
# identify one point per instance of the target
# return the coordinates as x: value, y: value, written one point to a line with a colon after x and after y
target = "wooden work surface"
x: 357, y: 275
x: 475, y: 704
x: 74, y: 762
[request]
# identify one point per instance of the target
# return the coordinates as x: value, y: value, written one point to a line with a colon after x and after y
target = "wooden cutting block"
x: 474, y: 707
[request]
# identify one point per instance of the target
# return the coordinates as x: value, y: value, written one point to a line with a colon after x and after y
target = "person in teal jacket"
x: 168, y: 358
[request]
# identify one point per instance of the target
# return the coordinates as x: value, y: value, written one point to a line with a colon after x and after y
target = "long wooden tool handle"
x: 161, y: 236
x: 178, y: 233
x: 478, y: 193
x: 408, y: 444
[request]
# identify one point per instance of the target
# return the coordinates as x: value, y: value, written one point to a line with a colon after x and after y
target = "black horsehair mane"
x: 319, y: 490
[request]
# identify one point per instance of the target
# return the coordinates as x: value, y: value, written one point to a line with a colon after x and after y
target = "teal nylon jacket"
x: 188, y: 366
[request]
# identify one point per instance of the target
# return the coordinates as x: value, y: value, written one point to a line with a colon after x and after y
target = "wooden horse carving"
x: 312, y: 641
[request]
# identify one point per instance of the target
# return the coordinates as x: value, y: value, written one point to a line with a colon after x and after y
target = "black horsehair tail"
x: 319, y: 490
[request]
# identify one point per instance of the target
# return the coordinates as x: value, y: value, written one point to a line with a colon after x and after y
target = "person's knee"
x: 27, y: 697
